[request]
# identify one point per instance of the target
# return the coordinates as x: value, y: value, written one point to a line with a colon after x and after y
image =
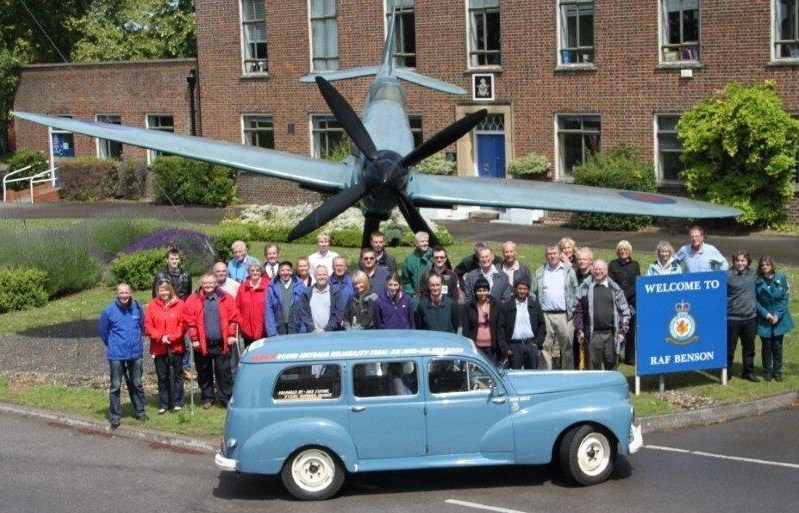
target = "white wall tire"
x: 312, y: 474
x: 587, y: 455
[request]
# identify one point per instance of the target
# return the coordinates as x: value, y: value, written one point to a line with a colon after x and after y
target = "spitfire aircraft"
x: 380, y: 174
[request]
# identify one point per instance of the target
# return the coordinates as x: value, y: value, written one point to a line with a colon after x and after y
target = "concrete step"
x: 483, y: 215
x: 42, y: 193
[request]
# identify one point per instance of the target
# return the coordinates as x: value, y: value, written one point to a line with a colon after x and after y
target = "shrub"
x: 111, y: 235
x: 191, y: 182
x: 436, y: 164
x: 137, y: 269
x: 87, y: 179
x: 22, y: 289
x: 195, y: 247
x: 131, y: 179
x: 532, y: 165
x: 622, y: 168
x: 740, y: 149
x: 224, y: 235
x: 22, y: 158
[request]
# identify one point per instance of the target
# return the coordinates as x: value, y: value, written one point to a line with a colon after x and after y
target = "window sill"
x: 583, y: 66
x: 783, y: 62
x: 680, y: 65
x: 255, y: 76
x: 483, y: 69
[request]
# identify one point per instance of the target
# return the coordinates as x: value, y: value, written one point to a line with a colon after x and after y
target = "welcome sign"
x: 681, y: 322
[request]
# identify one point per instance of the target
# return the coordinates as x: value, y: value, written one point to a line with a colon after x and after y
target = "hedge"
x: 137, y: 269
x: 22, y: 289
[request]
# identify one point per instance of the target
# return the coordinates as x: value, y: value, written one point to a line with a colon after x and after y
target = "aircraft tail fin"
x: 387, y: 69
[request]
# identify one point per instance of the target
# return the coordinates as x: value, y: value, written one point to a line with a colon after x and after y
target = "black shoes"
x: 778, y: 377
x: 142, y: 417
x: 114, y: 424
x: 751, y: 377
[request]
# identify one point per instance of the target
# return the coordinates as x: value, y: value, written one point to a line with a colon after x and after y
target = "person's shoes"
x: 178, y: 408
x: 778, y: 377
x: 752, y: 378
x: 114, y: 424
x: 207, y: 405
x: 767, y: 377
x: 142, y: 417
x: 161, y: 411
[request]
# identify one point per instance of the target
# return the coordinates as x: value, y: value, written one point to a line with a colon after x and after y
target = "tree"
x: 133, y: 30
x: 740, y: 149
x: 9, y: 79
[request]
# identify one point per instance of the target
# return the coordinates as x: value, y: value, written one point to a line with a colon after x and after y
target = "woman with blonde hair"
x: 664, y: 261
x: 359, y: 309
x: 568, y: 251
x: 165, y: 324
x: 624, y: 271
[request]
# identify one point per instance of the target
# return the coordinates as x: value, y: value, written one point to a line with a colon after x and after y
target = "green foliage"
x: 23, y: 158
x: 22, y: 289
x: 87, y: 178
x: 191, y: 182
x: 346, y: 238
x: 341, y: 151
x: 436, y: 164
x: 9, y: 80
x: 740, y: 149
x: 137, y: 269
x: 131, y: 179
x: 532, y: 165
x: 127, y: 30
x: 224, y: 235
x: 623, y: 168
x: 111, y: 235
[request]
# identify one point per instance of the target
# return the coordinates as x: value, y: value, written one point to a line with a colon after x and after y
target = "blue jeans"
x: 131, y: 370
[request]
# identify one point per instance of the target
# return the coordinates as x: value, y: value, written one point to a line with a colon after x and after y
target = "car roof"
x: 357, y: 344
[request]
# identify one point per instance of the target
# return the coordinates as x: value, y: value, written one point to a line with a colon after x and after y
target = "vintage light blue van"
x: 315, y: 407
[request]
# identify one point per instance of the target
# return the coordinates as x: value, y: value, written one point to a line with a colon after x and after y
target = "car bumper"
x: 636, y: 439
x: 226, y: 464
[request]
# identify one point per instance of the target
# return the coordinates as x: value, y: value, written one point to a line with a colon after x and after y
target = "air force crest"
x: 682, y: 327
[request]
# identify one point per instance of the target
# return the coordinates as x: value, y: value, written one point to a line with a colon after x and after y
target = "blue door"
x: 491, y: 155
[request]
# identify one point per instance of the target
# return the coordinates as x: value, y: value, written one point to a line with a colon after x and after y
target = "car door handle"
x: 357, y: 409
x: 498, y: 400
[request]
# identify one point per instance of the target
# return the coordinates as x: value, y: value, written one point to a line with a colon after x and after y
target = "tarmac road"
x: 783, y: 248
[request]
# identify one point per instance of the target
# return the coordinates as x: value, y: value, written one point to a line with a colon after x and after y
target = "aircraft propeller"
x: 386, y: 171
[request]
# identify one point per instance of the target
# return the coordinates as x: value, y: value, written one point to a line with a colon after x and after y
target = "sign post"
x: 681, y: 324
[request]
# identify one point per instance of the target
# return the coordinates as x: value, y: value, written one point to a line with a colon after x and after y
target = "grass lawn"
x: 94, y: 403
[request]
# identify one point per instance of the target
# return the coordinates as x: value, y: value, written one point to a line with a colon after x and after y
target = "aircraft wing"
x: 316, y: 174
x: 445, y: 191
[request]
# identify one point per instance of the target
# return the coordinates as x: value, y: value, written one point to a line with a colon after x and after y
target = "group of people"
x: 571, y: 312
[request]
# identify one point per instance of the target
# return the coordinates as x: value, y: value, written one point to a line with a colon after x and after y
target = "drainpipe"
x: 191, y: 79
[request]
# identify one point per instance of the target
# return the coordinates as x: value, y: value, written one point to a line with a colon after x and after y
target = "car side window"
x: 447, y: 375
x: 308, y: 383
x: 376, y: 379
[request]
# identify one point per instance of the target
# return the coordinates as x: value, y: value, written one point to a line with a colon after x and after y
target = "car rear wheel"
x: 587, y: 455
x: 312, y: 474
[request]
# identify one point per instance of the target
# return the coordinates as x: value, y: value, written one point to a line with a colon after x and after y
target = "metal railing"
x: 48, y: 175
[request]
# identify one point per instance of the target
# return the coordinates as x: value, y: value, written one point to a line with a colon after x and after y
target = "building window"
x: 669, y: 148
x: 253, y: 34
x: 62, y: 144
x: 484, y: 35
x: 109, y: 149
x: 680, y: 30
x: 259, y: 130
x: 786, y: 29
x: 416, y: 130
x: 578, y: 138
x: 163, y: 122
x: 404, y: 32
x: 576, y: 31
x: 324, y: 35
x: 329, y: 139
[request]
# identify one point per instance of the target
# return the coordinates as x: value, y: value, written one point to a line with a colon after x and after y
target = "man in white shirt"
x: 272, y: 261
x: 323, y: 255
x: 224, y: 281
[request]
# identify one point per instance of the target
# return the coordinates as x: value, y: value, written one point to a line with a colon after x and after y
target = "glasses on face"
x: 368, y: 258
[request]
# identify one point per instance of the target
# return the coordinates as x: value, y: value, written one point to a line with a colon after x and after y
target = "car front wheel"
x: 587, y: 455
x: 312, y: 474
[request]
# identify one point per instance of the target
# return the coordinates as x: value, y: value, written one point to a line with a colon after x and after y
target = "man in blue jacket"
x: 283, y: 296
x: 121, y: 330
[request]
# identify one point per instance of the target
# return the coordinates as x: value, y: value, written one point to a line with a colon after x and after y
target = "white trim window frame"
x: 785, y: 30
x: 106, y: 148
x: 577, y: 137
x: 162, y: 122
x: 484, y: 37
x: 323, y: 27
x: 404, y: 32
x: 576, y: 32
x: 680, y: 29
x: 258, y: 130
x: 326, y: 135
x: 668, y: 148
x: 253, y: 37
x: 415, y: 122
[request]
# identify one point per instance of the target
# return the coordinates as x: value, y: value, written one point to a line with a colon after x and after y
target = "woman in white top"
x: 664, y: 263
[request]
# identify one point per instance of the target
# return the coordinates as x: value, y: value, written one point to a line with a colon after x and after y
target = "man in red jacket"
x: 212, y: 318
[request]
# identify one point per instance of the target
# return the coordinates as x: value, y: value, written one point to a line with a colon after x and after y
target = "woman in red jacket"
x: 251, y: 303
x: 165, y: 324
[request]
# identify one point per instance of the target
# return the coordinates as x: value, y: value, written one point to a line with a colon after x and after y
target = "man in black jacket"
x: 521, y: 329
x: 174, y: 274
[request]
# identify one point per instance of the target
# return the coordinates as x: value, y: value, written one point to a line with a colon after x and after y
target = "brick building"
x: 559, y: 77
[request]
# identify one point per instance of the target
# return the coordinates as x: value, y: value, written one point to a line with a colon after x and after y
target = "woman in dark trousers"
x: 773, y: 316
x: 480, y: 320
